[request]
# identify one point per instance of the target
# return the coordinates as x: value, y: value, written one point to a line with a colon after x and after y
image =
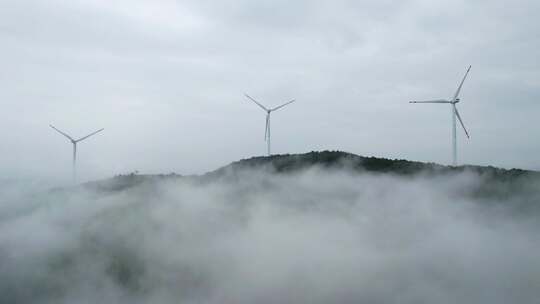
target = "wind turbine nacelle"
x: 457, y: 100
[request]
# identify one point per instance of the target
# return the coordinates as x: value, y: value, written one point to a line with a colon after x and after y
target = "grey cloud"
x: 155, y: 73
x: 312, y: 237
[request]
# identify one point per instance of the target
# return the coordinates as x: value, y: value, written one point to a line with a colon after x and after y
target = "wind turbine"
x: 74, y: 142
x: 268, y: 111
x: 455, y: 114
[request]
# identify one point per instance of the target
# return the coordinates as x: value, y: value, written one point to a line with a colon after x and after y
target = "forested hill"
x: 492, y: 182
x: 286, y: 163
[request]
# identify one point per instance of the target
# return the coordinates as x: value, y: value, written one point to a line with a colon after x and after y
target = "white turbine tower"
x: 455, y: 114
x: 74, y: 142
x: 268, y: 111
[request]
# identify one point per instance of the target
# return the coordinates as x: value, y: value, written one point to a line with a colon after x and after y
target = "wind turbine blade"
x: 260, y: 105
x: 431, y: 101
x: 69, y: 137
x: 281, y: 106
x: 266, y: 127
x: 461, y: 84
x: 83, y: 138
x: 462, y: 125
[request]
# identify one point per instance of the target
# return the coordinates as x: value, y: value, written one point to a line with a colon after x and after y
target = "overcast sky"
x: 166, y: 81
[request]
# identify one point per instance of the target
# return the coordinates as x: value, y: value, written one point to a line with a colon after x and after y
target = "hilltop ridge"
x: 283, y: 163
x: 495, y: 182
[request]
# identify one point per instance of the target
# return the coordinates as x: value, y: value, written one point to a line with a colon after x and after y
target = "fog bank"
x: 317, y: 236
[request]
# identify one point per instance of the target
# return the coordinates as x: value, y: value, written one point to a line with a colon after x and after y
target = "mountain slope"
x: 342, y: 160
x: 492, y: 183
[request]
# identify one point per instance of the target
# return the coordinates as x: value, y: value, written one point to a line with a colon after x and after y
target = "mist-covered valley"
x: 289, y: 231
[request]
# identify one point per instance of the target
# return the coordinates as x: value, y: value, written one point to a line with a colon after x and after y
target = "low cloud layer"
x: 313, y: 237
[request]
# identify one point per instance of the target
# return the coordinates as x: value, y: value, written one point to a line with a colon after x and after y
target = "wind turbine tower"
x: 74, y: 142
x: 455, y: 114
x: 268, y: 112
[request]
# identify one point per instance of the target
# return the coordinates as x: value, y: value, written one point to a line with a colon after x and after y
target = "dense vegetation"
x: 493, y: 183
x: 341, y: 160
